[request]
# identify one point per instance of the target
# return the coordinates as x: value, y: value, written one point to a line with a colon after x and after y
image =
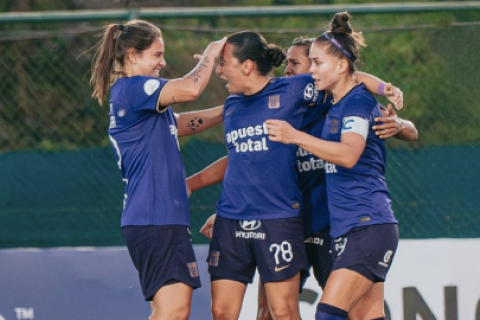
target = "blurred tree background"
x: 58, y: 181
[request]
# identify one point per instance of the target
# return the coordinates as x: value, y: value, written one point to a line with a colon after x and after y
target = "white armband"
x: 354, y: 124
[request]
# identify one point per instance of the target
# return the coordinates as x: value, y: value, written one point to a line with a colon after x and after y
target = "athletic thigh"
x: 162, y: 255
x: 368, y: 251
x: 371, y: 305
x: 281, y: 255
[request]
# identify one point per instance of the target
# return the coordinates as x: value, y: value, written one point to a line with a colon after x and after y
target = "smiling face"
x: 148, y: 62
x: 230, y: 70
x: 297, y: 61
x: 325, y: 67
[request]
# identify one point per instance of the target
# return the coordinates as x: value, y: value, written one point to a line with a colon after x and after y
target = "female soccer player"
x: 311, y: 174
x: 143, y: 132
x: 258, y: 221
x: 358, y: 198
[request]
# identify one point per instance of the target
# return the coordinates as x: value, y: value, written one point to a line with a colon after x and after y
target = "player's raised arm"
x: 189, y: 87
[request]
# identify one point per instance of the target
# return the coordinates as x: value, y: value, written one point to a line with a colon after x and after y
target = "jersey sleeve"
x: 302, y: 87
x: 144, y: 92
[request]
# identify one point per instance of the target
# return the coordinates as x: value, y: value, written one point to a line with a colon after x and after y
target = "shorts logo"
x: 340, y: 245
x: 315, y: 240
x: 278, y: 269
x: 192, y: 267
x: 274, y: 102
x: 250, y: 225
x: 214, y: 258
x: 386, y: 259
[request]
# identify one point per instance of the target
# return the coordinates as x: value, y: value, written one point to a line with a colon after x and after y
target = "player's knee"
x: 285, y: 312
x: 171, y: 314
x: 222, y: 313
x: 263, y: 313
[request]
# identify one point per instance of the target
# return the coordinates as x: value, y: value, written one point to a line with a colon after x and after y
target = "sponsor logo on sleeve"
x: 150, y: 86
x: 309, y: 92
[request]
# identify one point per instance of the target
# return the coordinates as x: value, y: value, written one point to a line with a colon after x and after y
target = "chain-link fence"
x: 59, y: 185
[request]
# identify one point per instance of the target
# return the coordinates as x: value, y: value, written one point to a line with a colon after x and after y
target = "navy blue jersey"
x: 311, y: 177
x: 358, y: 196
x: 261, y: 179
x: 147, y: 152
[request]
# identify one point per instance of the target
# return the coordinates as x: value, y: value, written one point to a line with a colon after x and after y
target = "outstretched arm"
x: 197, y: 121
x: 379, y: 87
x: 212, y: 174
x: 394, y: 126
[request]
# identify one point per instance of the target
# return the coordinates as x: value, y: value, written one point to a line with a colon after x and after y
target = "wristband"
x: 381, y: 89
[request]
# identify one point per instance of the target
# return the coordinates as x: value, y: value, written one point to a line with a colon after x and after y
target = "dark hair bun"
x: 340, y: 23
x: 277, y: 55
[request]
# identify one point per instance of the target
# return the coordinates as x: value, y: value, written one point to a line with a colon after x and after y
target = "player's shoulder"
x: 359, y: 95
x: 140, y: 85
x: 298, y: 80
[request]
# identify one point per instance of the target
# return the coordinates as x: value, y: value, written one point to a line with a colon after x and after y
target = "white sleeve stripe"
x: 354, y: 124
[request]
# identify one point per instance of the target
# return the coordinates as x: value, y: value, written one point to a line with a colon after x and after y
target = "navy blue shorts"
x: 367, y: 250
x: 319, y: 255
x: 275, y: 246
x: 162, y: 255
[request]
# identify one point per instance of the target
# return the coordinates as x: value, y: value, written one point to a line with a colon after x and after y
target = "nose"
x: 288, y: 71
x: 311, y: 69
x: 163, y: 62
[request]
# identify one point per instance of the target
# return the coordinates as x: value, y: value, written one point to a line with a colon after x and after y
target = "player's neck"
x: 257, y: 85
x: 342, y: 89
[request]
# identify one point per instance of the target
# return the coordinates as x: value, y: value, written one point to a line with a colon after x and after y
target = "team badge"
x: 192, y: 267
x: 214, y: 257
x: 334, y: 127
x: 274, y: 102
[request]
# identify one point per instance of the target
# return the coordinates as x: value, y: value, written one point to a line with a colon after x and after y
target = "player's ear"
x: 132, y: 56
x: 247, y: 66
x: 342, y: 66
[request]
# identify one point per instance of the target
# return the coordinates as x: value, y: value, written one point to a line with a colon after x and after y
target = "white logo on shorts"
x: 250, y: 225
x: 340, y: 245
x: 386, y: 259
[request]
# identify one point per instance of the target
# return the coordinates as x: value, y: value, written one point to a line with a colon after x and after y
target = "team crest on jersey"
x: 274, y: 102
x: 334, y: 127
